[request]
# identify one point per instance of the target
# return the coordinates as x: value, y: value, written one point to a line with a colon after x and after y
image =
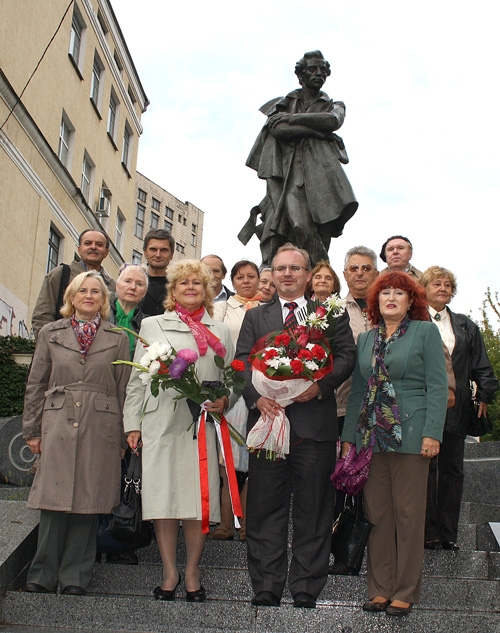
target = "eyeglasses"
x: 354, y: 268
x: 294, y: 268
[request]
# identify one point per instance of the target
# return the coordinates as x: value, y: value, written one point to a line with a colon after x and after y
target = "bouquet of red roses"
x: 284, y: 365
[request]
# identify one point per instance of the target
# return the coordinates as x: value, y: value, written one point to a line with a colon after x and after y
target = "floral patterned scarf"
x: 379, y: 419
x: 85, y: 332
x: 202, y: 335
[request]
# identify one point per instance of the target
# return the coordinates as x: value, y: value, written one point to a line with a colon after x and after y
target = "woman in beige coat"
x: 170, y: 462
x: 245, y: 280
x: 73, y: 419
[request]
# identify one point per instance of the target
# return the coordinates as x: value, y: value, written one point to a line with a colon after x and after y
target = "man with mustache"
x: 93, y: 248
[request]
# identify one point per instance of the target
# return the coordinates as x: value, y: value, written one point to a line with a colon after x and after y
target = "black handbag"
x: 477, y: 426
x: 350, y: 533
x: 127, y: 525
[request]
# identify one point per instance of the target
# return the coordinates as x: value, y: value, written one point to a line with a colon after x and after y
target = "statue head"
x: 312, y: 68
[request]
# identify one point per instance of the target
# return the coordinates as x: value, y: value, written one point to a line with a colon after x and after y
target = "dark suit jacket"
x: 470, y: 362
x: 316, y: 419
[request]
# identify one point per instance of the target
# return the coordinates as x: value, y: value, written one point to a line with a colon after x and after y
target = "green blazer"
x: 417, y: 368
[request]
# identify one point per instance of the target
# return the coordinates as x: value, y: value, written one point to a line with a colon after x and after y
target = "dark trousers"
x: 444, y: 490
x: 65, y: 551
x: 305, y: 472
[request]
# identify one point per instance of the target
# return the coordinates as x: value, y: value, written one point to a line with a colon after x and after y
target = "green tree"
x: 491, y: 335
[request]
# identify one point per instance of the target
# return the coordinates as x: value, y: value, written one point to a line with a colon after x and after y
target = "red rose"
x: 305, y: 354
x: 303, y: 338
x: 297, y: 367
x: 318, y: 352
x: 238, y: 365
x: 320, y: 312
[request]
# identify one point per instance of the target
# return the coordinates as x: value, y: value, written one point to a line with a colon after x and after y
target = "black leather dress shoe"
x: 304, y: 600
x: 450, y: 545
x: 196, y: 596
x: 73, y: 590
x: 166, y: 594
x: 265, y: 599
x: 33, y: 587
x: 122, y: 558
x: 398, y: 611
x: 339, y: 569
x: 433, y: 545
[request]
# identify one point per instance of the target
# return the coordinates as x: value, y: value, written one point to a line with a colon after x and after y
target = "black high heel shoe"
x: 166, y: 594
x: 196, y: 596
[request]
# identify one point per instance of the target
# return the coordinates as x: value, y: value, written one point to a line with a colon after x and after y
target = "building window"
x: 155, y: 204
x: 127, y: 146
x: 54, y: 249
x: 179, y: 248
x: 65, y: 141
x: 169, y: 213
x: 154, y: 220
x: 136, y: 258
x: 118, y: 63
x: 87, y: 171
x: 77, y: 38
x: 193, y: 228
x: 139, y: 220
x: 179, y: 218
x: 184, y: 221
x: 131, y: 94
x: 119, y: 230
x: 193, y: 239
x: 112, y: 114
x: 96, y: 88
x: 102, y: 22
x: 168, y: 226
x: 141, y: 195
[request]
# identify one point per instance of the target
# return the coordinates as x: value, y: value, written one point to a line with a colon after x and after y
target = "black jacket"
x: 316, y: 419
x: 470, y: 362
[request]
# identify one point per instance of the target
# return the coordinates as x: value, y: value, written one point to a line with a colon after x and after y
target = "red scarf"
x: 202, y: 335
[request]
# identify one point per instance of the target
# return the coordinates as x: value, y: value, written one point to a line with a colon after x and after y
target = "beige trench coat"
x: 76, y: 406
x: 170, y: 465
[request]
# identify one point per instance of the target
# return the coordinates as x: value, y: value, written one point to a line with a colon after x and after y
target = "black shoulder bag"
x: 127, y: 525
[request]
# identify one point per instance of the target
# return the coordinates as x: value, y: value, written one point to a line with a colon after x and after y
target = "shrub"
x: 13, y: 376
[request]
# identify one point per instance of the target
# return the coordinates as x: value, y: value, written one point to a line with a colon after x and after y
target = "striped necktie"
x: 290, y: 321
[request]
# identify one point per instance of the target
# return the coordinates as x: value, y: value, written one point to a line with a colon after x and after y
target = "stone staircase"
x: 461, y: 593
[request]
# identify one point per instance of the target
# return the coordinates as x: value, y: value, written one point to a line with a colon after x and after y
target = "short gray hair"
x: 360, y: 250
x: 131, y: 267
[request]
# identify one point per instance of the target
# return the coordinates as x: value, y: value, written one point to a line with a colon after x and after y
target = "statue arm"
x: 281, y: 127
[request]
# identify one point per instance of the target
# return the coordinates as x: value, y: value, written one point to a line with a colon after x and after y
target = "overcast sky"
x: 421, y: 86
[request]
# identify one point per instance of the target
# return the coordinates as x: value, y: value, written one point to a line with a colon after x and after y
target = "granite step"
x: 135, y: 614
x: 440, y: 563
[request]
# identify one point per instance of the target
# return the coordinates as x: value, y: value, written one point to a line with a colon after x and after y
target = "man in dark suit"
x: 306, y: 469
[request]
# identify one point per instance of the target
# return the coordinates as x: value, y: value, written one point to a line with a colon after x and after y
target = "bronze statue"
x: 309, y: 198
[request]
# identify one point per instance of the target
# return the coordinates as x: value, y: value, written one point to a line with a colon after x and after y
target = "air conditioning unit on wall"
x: 103, y: 206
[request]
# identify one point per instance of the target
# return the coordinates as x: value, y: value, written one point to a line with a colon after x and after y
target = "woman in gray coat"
x: 73, y: 419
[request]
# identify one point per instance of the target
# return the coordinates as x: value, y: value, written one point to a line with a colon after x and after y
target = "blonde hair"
x: 181, y: 270
x: 68, y: 309
x: 437, y: 272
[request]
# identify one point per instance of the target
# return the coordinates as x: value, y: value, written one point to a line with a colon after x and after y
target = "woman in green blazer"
x: 397, y: 405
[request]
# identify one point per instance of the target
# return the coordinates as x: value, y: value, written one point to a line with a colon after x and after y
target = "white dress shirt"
x: 443, y: 322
